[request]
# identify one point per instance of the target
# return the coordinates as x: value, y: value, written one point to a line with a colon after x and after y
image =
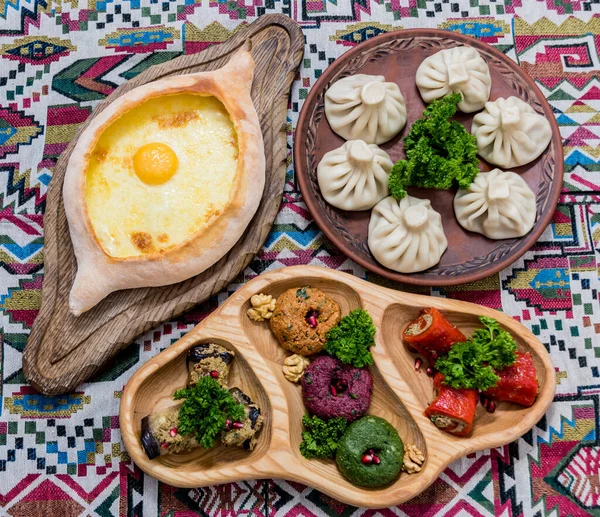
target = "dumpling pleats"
x: 407, y: 235
x: 510, y: 133
x: 365, y: 107
x: 455, y: 70
x: 498, y: 204
x: 354, y: 176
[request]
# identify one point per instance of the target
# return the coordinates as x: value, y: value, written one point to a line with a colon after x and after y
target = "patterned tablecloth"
x: 58, y: 58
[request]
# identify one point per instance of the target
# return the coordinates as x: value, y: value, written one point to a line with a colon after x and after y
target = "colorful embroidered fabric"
x: 58, y: 58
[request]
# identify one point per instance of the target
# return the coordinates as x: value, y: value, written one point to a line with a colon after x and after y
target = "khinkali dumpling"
x: 456, y: 70
x: 354, y: 176
x: 365, y: 107
x: 510, y: 133
x: 498, y: 204
x: 406, y: 235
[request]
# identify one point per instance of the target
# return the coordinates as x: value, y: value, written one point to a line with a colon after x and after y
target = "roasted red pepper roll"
x: 518, y: 383
x: 432, y: 335
x: 453, y: 410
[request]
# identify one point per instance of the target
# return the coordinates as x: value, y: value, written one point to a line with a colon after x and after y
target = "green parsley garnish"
x: 473, y: 364
x: 351, y: 339
x: 322, y: 437
x: 206, y: 408
x: 439, y: 151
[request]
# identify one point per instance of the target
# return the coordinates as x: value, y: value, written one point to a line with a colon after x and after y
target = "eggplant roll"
x: 243, y: 434
x: 209, y: 359
x: 159, y: 433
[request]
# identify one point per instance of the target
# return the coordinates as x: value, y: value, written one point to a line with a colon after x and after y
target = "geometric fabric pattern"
x: 60, y: 58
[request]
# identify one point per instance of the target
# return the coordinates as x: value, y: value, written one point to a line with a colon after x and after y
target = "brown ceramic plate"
x: 397, y: 55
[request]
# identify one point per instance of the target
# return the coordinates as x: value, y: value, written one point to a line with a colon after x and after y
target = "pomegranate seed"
x: 311, y: 319
x: 214, y: 374
x: 228, y: 424
x: 333, y: 390
x: 367, y: 459
x: 434, y: 354
x: 429, y: 371
x: 164, y: 445
x: 418, y: 363
x: 341, y: 385
x: 491, y: 407
x: 238, y: 425
x: 484, y: 401
x: 376, y: 459
x: 173, y: 432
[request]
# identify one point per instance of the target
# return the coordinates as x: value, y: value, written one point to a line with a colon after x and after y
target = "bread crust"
x: 99, y: 274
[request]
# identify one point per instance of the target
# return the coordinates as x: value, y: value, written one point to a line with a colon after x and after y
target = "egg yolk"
x: 155, y: 163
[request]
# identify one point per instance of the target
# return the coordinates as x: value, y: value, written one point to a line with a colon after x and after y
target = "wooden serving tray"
x: 63, y: 350
x: 400, y: 394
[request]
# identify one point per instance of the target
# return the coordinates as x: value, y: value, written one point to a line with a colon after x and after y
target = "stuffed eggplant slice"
x: 209, y: 359
x: 210, y: 412
x: 159, y: 433
x: 243, y: 433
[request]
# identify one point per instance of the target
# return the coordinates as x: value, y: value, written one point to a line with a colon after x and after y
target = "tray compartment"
x: 156, y: 392
x: 395, y: 319
x: 385, y: 403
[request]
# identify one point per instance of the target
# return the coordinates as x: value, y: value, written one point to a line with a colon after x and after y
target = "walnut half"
x: 413, y: 459
x: 263, y: 306
x: 294, y: 366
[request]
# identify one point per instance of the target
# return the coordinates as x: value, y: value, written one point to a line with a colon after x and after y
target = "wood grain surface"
x: 400, y: 394
x: 397, y: 55
x: 62, y: 350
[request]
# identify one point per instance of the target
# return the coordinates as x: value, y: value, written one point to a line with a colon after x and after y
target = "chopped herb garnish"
x: 439, y: 151
x: 473, y: 364
x: 301, y: 293
x: 205, y: 410
x: 351, y: 340
x: 321, y: 438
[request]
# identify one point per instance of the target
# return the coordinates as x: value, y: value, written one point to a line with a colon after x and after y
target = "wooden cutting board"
x: 63, y: 350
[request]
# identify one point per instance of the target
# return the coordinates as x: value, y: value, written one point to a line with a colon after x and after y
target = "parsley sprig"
x: 473, y: 364
x: 321, y: 438
x: 206, y: 408
x: 352, y: 338
x: 439, y: 151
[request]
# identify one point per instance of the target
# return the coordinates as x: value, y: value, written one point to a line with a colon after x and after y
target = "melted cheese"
x: 132, y: 217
